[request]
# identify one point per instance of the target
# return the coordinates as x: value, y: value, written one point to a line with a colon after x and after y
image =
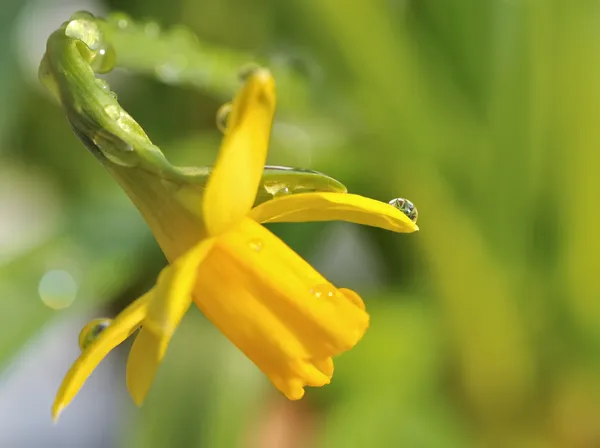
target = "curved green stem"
x: 86, y: 45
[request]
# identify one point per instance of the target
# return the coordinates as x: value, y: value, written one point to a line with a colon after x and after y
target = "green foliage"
x: 486, y: 330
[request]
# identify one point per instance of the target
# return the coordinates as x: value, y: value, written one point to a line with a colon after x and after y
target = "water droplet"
x: 113, y: 111
x: 223, y: 117
x: 91, y: 331
x: 406, y: 207
x: 323, y: 290
x: 353, y: 297
x: 103, y: 85
x: 114, y: 148
x: 289, y: 168
x: 283, y: 191
x: 256, y: 244
x: 57, y: 289
x: 85, y: 15
x: 152, y: 29
x: 280, y: 181
x: 87, y: 31
x: 104, y: 59
x: 247, y: 70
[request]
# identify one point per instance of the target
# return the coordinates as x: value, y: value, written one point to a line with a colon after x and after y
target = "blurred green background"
x: 485, y: 326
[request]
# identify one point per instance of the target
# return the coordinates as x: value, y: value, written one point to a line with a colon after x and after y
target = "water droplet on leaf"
x: 103, y: 85
x: 283, y: 191
x: 323, y: 291
x: 113, y: 111
x: 91, y: 331
x: 113, y: 147
x: 88, y: 32
x: 223, y: 117
x: 86, y: 15
x: 280, y: 181
x: 406, y: 207
x: 104, y: 59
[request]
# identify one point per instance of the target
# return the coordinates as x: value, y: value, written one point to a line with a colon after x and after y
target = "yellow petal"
x: 121, y: 327
x: 305, y: 207
x: 171, y: 300
x: 142, y: 364
x: 234, y: 181
x: 276, y: 308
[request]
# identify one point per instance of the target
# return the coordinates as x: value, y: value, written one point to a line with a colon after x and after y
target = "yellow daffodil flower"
x: 278, y: 310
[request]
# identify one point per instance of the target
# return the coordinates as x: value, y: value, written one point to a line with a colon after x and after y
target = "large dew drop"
x: 91, y: 331
x: 406, y: 207
x: 104, y: 58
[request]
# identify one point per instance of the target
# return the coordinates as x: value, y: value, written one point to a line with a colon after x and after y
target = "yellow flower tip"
x: 325, y: 366
x: 234, y: 181
x: 293, y: 390
x: 308, y: 375
x: 57, y: 409
x: 327, y: 206
x: 258, y: 92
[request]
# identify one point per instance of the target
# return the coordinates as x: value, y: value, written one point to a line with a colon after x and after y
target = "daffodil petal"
x: 120, y: 329
x: 171, y: 300
x: 173, y: 291
x: 234, y: 181
x: 305, y: 207
x: 278, y: 310
x: 142, y: 364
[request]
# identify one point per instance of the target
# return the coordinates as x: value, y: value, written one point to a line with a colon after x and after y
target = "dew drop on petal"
x: 223, y: 117
x: 91, y: 331
x: 255, y: 244
x: 406, y: 207
x: 323, y: 290
x: 353, y: 297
